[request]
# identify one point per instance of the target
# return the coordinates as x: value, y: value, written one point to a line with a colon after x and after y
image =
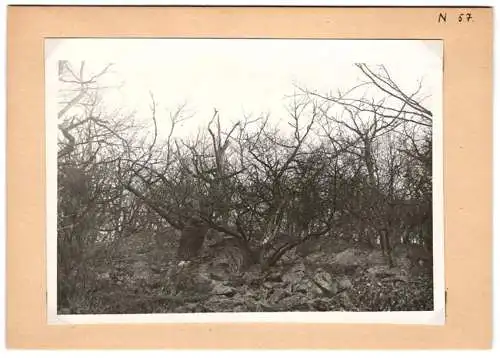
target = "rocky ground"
x: 141, y: 279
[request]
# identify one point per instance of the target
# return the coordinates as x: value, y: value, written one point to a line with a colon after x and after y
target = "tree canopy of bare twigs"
x: 357, y: 161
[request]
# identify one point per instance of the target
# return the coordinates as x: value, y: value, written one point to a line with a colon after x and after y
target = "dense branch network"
x: 345, y: 161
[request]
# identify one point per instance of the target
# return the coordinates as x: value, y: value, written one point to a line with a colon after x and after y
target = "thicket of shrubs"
x: 342, y: 172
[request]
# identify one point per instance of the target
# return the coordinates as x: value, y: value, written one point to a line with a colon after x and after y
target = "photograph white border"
x: 435, y: 317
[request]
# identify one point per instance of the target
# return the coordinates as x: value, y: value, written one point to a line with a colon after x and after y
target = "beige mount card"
x: 459, y: 38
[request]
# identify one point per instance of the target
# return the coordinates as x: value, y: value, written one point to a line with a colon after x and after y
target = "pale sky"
x: 237, y: 76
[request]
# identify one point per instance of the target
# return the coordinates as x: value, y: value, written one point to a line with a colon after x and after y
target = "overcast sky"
x: 241, y: 76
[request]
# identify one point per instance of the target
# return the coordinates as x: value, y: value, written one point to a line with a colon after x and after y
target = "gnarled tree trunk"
x: 192, y: 238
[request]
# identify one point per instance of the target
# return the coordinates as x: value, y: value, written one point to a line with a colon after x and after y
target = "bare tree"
x: 364, y: 128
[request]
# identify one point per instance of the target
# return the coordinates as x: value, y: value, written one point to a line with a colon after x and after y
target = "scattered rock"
x: 277, y: 295
x: 304, y: 287
x: 296, y: 302
x: 219, y: 288
x: 344, y: 284
x: 320, y: 304
x: 295, y: 274
x: 324, y: 283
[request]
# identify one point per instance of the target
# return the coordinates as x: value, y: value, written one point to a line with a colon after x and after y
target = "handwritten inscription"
x: 465, y: 17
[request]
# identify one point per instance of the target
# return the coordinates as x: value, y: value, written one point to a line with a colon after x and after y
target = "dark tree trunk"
x: 385, y: 245
x: 191, y: 241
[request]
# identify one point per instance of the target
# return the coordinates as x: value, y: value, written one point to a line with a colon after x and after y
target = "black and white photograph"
x: 193, y: 179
